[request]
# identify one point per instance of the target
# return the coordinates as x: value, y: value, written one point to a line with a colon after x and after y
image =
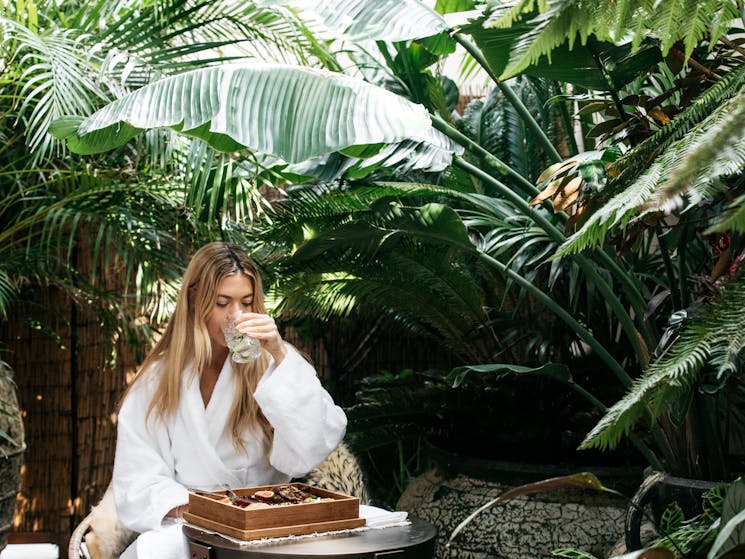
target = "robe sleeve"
x: 144, y: 485
x: 307, y: 424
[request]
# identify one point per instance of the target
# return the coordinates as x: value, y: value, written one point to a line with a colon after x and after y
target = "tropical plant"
x: 713, y: 534
x: 478, y: 212
x: 137, y: 209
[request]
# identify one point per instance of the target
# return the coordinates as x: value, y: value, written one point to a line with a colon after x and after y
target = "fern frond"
x: 564, y: 21
x: 503, y: 14
x: 561, y: 23
x: 732, y: 219
x: 713, y: 335
x: 696, y: 20
x: 667, y: 21
x: 716, y: 148
x: 678, y: 139
x: 623, y: 12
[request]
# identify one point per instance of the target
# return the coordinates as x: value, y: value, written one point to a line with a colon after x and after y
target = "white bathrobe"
x: 155, y: 464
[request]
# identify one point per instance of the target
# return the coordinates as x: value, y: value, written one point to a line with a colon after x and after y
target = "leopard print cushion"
x: 341, y: 473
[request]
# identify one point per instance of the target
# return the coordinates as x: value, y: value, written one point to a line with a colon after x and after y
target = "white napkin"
x: 378, y: 518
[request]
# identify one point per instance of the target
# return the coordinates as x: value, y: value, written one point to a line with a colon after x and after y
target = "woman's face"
x: 235, y: 293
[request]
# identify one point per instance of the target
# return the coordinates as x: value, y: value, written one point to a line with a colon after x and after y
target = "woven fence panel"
x: 39, y: 351
x: 100, y: 380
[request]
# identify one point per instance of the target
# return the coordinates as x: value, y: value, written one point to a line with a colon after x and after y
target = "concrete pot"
x: 525, y: 527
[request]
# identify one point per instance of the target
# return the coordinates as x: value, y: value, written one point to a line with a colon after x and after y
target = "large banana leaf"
x: 292, y: 112
x: 433, y: 155
x: 384, y: 20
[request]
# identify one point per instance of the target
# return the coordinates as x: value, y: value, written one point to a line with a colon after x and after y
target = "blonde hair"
x: 186, y: 340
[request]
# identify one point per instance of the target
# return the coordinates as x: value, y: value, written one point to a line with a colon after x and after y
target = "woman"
x: 195, y: 419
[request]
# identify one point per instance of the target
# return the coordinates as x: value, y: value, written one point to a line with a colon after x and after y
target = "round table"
x: 414, y: 541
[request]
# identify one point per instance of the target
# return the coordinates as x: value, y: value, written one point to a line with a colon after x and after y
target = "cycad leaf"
x: 292, y: 112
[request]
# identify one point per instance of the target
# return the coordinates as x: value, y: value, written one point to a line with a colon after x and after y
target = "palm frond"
x: 8, y: 292
x: 56, y: 78
x: 127, y: 228
x: 715, y: 334
x: 176, y: 35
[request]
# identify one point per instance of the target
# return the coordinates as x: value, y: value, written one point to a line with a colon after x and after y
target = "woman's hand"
x: 178, y: 512
x: 263, y: 328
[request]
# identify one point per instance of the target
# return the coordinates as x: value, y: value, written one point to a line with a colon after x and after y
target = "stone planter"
x: 528, y: 526
x: 11, y: 455
x: 660, y: 491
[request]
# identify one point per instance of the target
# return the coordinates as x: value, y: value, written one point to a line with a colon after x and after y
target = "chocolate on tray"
x: 279, y: 495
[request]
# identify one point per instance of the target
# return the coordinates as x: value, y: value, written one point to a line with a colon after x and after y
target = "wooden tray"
x: 277, y: 532
x: 211, y: 508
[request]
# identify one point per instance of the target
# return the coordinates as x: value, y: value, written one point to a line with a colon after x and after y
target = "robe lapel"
x: 218, y: 408
x: 205, y: 426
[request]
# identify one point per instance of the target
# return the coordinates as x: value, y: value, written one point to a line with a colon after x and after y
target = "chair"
x: 100, y: 535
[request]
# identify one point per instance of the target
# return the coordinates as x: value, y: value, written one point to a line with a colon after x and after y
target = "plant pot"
x: 11, y: 454
x: 528, y: 526
x: 659, y: 491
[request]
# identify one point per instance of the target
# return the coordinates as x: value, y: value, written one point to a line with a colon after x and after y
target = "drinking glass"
x: 242, y: 348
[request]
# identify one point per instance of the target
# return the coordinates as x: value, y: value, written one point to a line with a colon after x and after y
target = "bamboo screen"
x: 67, y: 397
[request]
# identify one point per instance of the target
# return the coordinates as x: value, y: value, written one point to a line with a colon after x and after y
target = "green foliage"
x: 165, y: 194
x: 732, y: 530
x: 494, y: 124
x: 548, y: 25
x: 690, y: 537
x: 459, y: 256
x: 388, y: 20
x: 714, y: 338
x: 366, y: 253
x: 60, y: 80
x: 296, y: 120
x: 683, y: 162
